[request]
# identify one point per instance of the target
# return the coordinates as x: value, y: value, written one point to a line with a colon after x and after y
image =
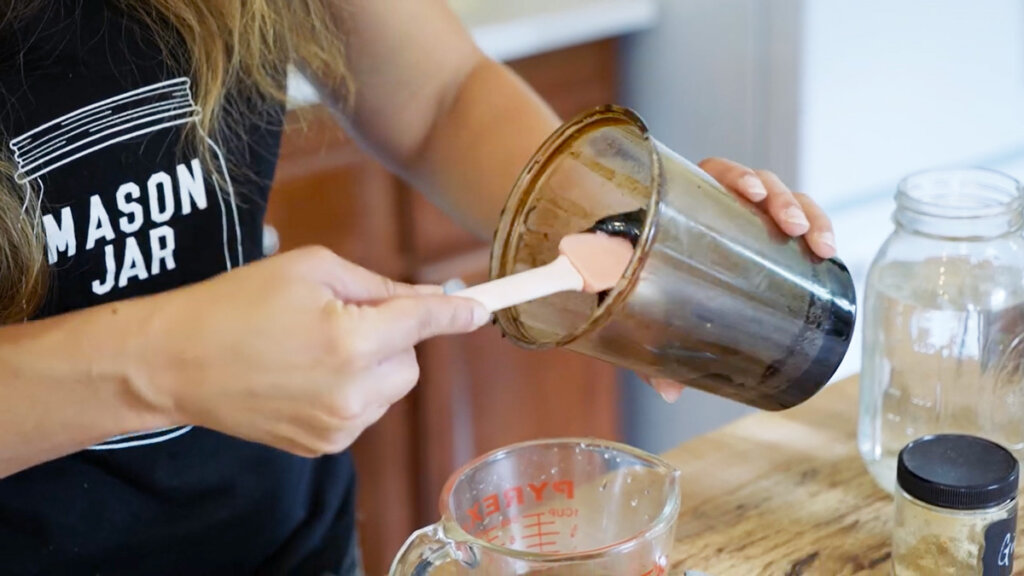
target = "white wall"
x: 699, y: 106
x: 891, y: 87
x: 888, y: 88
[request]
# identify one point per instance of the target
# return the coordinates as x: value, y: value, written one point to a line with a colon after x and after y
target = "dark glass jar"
x: 716, y: 296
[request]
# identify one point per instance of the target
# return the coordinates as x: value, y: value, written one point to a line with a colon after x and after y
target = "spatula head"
x: 599, y: 258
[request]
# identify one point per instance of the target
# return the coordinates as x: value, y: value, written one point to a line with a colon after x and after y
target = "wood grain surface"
x: 784, y: 494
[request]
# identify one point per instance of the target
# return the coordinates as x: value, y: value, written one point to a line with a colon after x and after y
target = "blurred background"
x: 841, y: 99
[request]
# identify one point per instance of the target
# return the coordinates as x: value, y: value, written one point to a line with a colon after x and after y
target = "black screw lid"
x: 957, y: 471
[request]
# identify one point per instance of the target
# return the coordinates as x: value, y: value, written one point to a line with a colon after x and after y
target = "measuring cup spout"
x: 427, y: 549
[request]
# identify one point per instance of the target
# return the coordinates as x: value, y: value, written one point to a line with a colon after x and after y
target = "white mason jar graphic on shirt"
x: 129, y: 237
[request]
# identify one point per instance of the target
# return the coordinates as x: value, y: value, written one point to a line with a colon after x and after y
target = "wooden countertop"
x: 784, y: 494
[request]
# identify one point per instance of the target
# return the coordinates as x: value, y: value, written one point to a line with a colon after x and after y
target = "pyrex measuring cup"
x: 716, y: 297
x: 560, y: 507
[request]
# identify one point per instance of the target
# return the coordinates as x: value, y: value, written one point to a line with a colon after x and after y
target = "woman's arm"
x: 437, y: 112
x: 460, y: 127
x: 301, y: 351
x: 69, y: 382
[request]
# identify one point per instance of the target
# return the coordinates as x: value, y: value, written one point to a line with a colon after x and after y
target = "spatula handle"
x: 558, y: 276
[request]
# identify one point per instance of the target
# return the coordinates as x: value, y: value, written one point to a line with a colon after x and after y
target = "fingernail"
x: 828, y: 239
x: 453, y: 285
x: 795, y: 216
x: 480, y: 315
x: 754, y: 187
x: 671, y: 393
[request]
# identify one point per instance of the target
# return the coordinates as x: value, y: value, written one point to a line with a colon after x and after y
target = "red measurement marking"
x: 515, y: 496
x: 489, y: 534
x: 537, y: 533
x: 658, y: 570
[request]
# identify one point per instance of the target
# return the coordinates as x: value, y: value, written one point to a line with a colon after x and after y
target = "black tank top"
x: 93, y: 117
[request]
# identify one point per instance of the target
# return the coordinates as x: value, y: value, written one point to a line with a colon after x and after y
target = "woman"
x: 174, y: 404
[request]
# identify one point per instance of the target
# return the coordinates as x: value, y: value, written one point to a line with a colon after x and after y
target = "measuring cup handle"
x: 425, y: 550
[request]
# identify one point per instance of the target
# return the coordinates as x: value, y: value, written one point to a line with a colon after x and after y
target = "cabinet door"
x: 479, y: 392
x: 328, y: 192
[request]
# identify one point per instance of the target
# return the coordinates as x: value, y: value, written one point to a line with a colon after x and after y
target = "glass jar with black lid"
x: 956, y: 508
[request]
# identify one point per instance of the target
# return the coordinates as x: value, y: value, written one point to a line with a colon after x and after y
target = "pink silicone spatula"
x: 589, y: 262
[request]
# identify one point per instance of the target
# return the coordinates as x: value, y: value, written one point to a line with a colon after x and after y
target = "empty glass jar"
x: 944, y: 318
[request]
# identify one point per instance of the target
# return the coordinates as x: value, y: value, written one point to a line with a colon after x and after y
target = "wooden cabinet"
x: 476, y: 392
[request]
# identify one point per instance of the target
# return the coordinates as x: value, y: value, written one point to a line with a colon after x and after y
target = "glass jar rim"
x: 516, y: 206
x: 962, y: 193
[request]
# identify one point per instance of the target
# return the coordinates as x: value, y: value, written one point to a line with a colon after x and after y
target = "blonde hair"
x: 239, y: 46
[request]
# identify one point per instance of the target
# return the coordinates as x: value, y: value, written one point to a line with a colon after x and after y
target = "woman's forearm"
x: 433, y: 108
x: 480, y: 144
x: 71, y: 381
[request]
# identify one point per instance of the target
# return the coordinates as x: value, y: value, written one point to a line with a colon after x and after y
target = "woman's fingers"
x: 821, y: 238
x: 782, y: 205
x: 796, y: 214
x: 761, y: 186
x: 668, y: 389
x: 736, y: 177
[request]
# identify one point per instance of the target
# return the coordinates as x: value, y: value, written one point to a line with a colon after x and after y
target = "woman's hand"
x: 795, y: 213
x: 302, y: 351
